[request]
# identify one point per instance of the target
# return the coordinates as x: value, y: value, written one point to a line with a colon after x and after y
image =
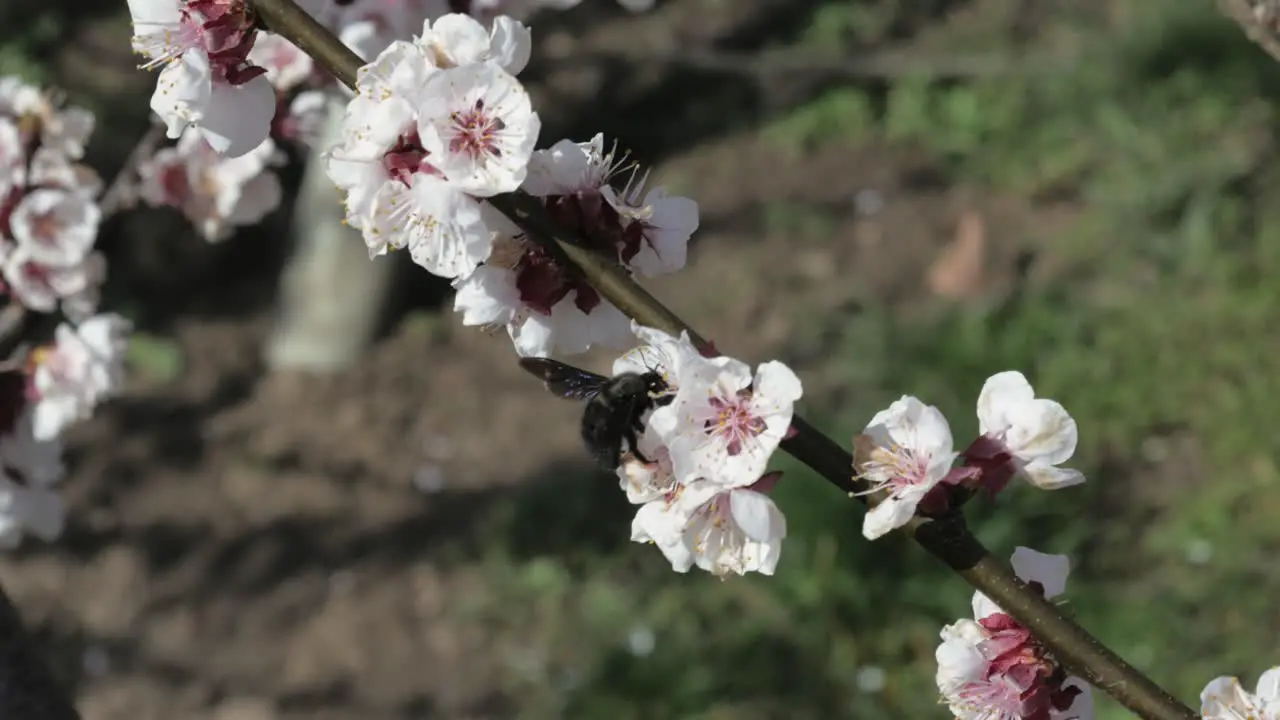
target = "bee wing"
x: 564, y: 380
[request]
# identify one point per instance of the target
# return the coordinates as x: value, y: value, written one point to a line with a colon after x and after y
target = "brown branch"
x: 1260, y: 20
x: 948, y: 539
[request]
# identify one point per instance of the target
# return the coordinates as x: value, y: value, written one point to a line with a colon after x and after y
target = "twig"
x: 119, y: 195
x: 1260, y: 20
x: 948, y: 539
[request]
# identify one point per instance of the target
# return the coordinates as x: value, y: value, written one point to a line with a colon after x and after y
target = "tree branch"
x: 1260, y: 20
x: 948, y: 538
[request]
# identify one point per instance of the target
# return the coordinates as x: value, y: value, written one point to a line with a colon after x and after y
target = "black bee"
x: 615, y: 406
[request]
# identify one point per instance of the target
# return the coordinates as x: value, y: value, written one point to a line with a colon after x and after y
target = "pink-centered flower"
x: 721, y: 530
x: 216, y: 193
x: 206, y: 79
x: 907, y: 453
x: 546, y: 307
x: 724, y: 423
x: 84, y: 366
x: 992, y: 668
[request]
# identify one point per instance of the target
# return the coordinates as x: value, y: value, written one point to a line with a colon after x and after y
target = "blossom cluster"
x: 220, y: 73
x: 698, y: 469
x: 49, y: 217
x: 441, y: 123
x: 907, y: 455
x: 437, y: 127
x: 992, y: 668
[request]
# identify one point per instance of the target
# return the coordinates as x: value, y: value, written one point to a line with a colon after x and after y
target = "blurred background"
x: 898, y: 196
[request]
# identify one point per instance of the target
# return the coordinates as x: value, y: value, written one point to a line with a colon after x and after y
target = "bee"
x: 615, y: 406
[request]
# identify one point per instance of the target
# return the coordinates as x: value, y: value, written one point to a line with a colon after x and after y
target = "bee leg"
x: 633, y: 443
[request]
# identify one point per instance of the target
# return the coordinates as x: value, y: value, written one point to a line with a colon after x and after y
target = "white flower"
x: 51, y: 168
x: 287, y: 67
x: 307, y: 113
x: 456, y: 39
x: 960, y: 662
x: 234, y: 119
x: 478, y: 127
x: 18, y: 98
x: 31, y: 467
x: 64, y: 130
x: 511, y: 290
x: 1037, y: 431
x: 1224, y: 699
x: 666, y: 224
x: 648, y: 482
x: 653, y: 229
x: 721, y: 530
x: 216, y: 193
x: 992, y: 668
x: 723, y: 424
x: 57, y: 226
x: 232, y: 107
x: 84, y: 366
x: 1049, y: 571
x: 660, y: 353
x: 369, y: 26
x: 395, y: 194
x: 40, y: 286
x: 911, y: 452
x: 569, y: 167
x: 13, y: 157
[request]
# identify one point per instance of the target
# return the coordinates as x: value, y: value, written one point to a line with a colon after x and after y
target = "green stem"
x: 948, y: 538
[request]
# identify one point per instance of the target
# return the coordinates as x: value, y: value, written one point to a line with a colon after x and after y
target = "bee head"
x: 656, y: 384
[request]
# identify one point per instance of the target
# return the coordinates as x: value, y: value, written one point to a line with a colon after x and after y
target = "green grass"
x: 1159, y: 333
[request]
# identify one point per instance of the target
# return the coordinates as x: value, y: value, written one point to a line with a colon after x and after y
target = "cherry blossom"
x: 908, y: 452
x: 49, y: 215
x: 286, y: 66
x: 304, y: 117
x: 206, y: 77
x: 41, y: 287
x: 725, y: 423
x: 57, y: 225
x: 721, y: 530
x: 1022, y: 434
x: 647, y: 229
x: 457, y: 39
x: 1225, y: 699
x: 477, y: 125
x: 659, y: 352
x: 410, y: 173
x: 546, y: 307
x: 992, y: 668
x: 216, y: 193
x: 62, y: 129
x: 83, y: 367
x: 13, y: 156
